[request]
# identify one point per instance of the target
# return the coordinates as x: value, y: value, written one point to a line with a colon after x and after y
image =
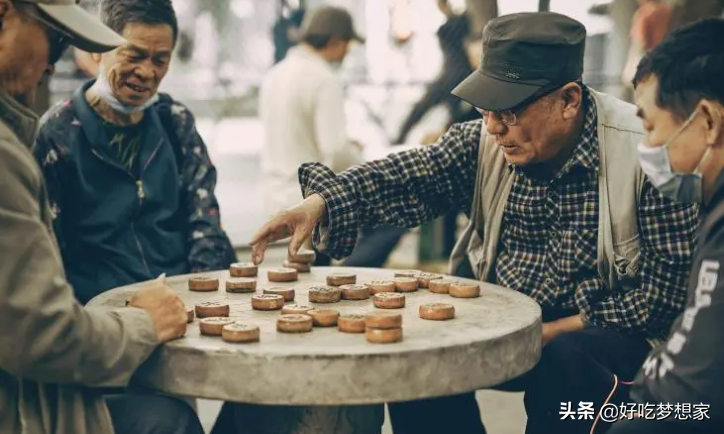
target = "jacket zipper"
x: 141, y: 193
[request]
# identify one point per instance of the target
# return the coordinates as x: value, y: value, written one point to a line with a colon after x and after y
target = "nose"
x: 494, y: 126
x: 144, y: 72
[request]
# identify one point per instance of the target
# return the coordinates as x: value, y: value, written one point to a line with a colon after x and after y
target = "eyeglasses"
x: 510, y: 116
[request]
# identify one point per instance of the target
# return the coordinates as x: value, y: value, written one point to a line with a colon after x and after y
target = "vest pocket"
x: 627, y: 258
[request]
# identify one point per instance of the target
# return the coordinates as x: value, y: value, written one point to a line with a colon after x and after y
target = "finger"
x: 257, y: 252
x: 298, y: 238
x: 266, y: 231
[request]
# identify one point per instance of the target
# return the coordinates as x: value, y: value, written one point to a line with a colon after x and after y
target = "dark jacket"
x: 689, y: 368
x: 115, y: 227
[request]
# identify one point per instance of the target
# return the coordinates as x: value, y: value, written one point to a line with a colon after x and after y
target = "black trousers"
x: 643, y: 426
x: 152, y: 414
x: 574, y: 367
x: 372, y: 250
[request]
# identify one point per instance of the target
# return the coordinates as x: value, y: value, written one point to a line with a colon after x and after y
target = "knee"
x: 560, y: 352
x: 173, y: 416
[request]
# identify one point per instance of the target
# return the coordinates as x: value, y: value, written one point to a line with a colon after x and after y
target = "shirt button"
x: 549, y: 282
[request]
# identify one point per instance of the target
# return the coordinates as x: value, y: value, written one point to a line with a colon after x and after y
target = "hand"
x: 553, y: 329
x: 297, y: 222
x: 165, y: 307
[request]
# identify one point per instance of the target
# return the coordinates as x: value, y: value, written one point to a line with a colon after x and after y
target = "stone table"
x: 325, y: 373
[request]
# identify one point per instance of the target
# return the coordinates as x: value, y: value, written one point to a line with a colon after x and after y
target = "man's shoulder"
x: 179, y: 112
x: 616, y: 113
x: 59, y: 115
x: 16, y: 161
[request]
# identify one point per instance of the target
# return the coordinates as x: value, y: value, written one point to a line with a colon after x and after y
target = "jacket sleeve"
x: 45, y: 334
x: 405, y: 189
x: 668, y: 238
x: 208, y: 244
x: 48, y: 158
x: 687, y: 368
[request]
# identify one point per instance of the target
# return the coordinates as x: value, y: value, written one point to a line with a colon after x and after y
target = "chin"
x: 517, y: 159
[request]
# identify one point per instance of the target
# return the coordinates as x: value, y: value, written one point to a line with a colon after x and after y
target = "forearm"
x: 405, y: 190
x: 45, y: 333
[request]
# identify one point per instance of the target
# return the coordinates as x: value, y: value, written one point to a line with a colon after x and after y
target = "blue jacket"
x: 115, y: 228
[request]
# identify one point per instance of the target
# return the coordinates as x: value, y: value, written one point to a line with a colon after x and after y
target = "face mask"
x: 103, y: 89
x: 680, y: 187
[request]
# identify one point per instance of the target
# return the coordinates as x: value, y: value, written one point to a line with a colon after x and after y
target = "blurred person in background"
x: 56, y: 355
x: 303, y: 114
x: 452, y: 36
x: 649, y: 26
x: 130, y: 181
x: 286, y: 33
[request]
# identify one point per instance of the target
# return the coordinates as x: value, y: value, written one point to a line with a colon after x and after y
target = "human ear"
x: 572, y: 96
x: 712, y: 114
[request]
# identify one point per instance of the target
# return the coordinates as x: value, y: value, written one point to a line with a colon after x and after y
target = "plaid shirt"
x: 549, y: 225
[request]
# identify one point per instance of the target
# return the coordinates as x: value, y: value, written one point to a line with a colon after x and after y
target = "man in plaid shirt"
x: 549, y: 128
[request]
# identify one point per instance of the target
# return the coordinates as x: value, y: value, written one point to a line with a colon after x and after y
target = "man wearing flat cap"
x: 55, y: 355
x: 559, y: 210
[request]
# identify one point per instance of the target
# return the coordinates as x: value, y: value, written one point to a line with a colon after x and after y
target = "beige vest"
x: 620, y: 183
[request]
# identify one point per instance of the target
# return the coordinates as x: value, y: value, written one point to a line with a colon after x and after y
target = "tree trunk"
x: 480, y: 12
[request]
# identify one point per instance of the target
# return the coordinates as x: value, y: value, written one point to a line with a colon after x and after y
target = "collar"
x: 20, y: 119
x: 717, y: 196
x: 90, y: 121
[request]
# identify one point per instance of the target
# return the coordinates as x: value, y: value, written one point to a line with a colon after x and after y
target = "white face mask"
x: 679, y: 187
x: 103, y: 89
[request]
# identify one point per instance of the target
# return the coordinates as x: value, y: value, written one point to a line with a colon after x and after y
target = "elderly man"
x: 54, y: 352
x: 682, y: 110
x: 559, y: 210
x: 129, y: 179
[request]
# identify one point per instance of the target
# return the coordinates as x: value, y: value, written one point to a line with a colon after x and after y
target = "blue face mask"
x: 679, y: 187
x: 103, y: 89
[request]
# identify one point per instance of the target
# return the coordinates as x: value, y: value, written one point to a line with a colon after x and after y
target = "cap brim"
x: 82, y: 29
x: 358, y: 38
x: 488, y: 93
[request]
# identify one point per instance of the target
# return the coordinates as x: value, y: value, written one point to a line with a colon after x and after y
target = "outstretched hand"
x: 296, y: 222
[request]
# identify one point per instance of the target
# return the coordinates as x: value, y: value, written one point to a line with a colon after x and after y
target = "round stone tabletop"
x: 492, y: 338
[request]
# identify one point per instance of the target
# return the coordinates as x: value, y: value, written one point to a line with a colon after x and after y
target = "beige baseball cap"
x: 82, y: 29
